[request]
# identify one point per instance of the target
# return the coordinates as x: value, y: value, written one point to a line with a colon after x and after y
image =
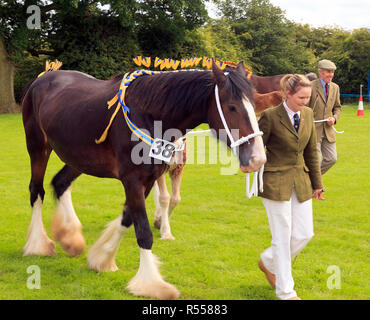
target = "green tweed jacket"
x: 323, y: 110
x: 292, y: 158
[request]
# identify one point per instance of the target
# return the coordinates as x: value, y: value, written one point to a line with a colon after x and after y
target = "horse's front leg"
x: 102, y: 255
x: 148, y: 281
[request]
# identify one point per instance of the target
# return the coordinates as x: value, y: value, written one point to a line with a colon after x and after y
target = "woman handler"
x: 291, y: 178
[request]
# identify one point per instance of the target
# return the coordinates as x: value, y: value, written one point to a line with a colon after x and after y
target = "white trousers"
x: 291, y: 226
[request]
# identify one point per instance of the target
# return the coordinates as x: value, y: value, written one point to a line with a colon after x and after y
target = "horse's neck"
x: 183, y: 121
x: 185, y: 124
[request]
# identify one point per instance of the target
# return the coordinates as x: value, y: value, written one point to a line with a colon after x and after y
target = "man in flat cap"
x: 325, y: 103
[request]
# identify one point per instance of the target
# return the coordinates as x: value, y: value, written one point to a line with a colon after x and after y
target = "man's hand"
x: 331, y: 121
x: 318, y: 194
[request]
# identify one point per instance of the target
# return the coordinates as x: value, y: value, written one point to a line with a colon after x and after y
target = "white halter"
x: 240, y: 141
x: 256, y: 182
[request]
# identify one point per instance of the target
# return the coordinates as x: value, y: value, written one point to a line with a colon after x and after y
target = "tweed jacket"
x: 292, y: 159
x: 323, y: 110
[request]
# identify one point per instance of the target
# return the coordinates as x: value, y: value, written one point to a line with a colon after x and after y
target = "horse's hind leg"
x: 162, y: 202
x: 38, y: 243
x: 66, y: 227
x: 176, y: 176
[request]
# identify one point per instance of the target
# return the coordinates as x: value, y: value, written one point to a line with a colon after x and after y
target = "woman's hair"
x: 292, y: 83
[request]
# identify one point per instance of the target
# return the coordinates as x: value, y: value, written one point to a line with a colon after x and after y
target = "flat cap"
x: 327, y: 65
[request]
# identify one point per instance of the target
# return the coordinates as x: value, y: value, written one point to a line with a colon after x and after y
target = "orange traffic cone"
x: 360, y: 110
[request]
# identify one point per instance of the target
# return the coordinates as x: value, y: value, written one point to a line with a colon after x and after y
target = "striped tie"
x: 296, y: 121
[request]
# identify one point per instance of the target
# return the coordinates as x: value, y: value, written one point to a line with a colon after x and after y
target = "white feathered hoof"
x: 42, y: 246
x: 38, y: 242
x: 168, y: 236
x: 148, y: 281
x: 102, y: 255
x: 66, y: 227
x: 68, y: 235
x: 73, y: 244
x: 154, y: 289
x: 100, y: 260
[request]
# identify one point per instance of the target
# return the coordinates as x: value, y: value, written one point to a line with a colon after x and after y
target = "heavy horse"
x: 266, y: 94
x: 66, y: 111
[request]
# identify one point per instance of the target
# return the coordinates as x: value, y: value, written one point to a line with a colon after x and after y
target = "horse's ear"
x: 241, y: 68
x: 218, y: 74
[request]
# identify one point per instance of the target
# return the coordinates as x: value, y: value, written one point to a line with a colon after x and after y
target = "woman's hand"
x: 318, y: 194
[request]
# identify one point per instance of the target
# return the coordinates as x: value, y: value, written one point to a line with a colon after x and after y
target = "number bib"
x: 162, y: 150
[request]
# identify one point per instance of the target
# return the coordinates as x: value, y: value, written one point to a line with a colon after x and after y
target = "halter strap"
x: 240, y: 141
x: 120, y: 97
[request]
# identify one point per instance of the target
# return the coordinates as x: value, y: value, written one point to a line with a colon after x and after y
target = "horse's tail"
x: 49, y: 67
x: 25, y: 90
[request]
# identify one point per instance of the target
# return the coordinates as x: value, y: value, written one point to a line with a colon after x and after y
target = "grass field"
x: 219, y: 232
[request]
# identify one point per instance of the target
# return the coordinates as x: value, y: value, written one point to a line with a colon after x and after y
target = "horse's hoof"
x: 101, y: 261
x: 157, y: 223
x: 103, y: 267
x: 157, y: 289
x: 71, y: 240
x: 168, y: 237
x: 148, y: 281
x: 46, y: 247
x: 73, y: 244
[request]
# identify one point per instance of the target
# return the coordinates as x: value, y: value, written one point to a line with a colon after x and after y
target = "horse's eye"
x: 232, y: 108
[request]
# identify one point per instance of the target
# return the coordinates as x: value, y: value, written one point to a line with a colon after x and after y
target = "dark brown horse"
x: 66, y: 111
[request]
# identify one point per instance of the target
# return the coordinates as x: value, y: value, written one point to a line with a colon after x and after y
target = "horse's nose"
x: 255, y: 163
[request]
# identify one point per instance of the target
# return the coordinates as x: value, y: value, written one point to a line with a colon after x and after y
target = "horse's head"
x: 234, y: 102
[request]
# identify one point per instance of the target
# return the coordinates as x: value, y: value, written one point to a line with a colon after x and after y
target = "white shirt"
x: 291, y: 113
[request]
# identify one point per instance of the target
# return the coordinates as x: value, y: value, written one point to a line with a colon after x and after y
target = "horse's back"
x: 70, y: 108
x: 70, y: 99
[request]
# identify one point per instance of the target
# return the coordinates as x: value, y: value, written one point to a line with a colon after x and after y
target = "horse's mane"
x: 176, y: 93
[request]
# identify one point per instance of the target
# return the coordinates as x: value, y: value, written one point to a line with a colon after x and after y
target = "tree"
x: 266, y: 32
x: 163, y: 25
x: 220, y: 41
x: 87, y: 39
x: 16, y: 42
x: 348, y: 50
x: 352, y: 58
x: 97, y: 37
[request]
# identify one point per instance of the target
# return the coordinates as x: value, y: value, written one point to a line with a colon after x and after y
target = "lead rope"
x: 324, y: 120
x: 257, y: 183
x: 234, y: 144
